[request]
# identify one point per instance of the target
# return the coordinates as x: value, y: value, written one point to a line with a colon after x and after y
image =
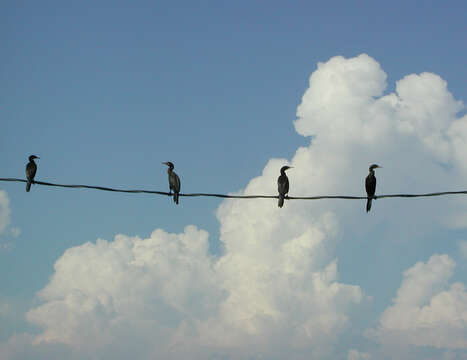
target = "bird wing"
x: 175, y: 182
x: 370, y: 184
x: 31, y: 169
x: 283, y: 185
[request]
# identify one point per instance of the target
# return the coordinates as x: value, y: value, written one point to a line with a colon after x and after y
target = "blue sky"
x: 104, y: 92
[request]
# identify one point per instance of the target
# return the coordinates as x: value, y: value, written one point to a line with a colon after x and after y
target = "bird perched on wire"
x: 174, y: 181
x: 31, y: 169
x: 370, y: 185
x: 283, y: 185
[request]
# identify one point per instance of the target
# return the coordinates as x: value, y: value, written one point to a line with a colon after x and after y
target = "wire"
x: 240, y: 196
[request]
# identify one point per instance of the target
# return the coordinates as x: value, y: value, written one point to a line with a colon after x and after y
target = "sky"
x: 105, y: 91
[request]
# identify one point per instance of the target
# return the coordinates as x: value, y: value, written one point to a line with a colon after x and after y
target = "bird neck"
x: 372, y: 172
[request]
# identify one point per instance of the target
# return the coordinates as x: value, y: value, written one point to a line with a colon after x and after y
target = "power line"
x: 239, y: 196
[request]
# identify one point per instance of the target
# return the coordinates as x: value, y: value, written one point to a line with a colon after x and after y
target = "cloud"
x: 20, y: 347
x: 167, y: 291
x: 427, y: 310
x: 463, y: 248
x: 5, y: 308
x: 357, y: 355
x: 5, y: 220
x: 4, y: 211
x: 15, y: 232
x: 103, y: 292
x: 275, y: 291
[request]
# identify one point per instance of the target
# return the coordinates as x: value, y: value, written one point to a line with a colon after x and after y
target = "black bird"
x: 283, y: 185
x: 370, y: 185
x: 174, y: 181
x: 31, y: 169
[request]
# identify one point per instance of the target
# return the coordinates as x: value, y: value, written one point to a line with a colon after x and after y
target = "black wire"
x: 241, y: 196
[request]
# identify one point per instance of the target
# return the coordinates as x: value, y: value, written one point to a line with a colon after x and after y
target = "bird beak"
x: 164, y: 163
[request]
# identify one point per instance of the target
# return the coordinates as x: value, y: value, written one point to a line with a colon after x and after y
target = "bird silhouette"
x: 31, y: 169
x: 283, y: 185
x: 174, y: 181
x: 370, y: 185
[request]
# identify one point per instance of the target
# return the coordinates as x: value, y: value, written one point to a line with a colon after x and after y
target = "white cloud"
x: 170, y: 286
x: 5, y: 220
x: 103, y: 292
x: 4, y: 211
x: 20, y: 347
x: 275, y: 292
x: 427, y: 310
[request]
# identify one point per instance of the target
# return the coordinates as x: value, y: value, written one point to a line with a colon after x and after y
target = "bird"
x: 370, y: 185
x: 174, y: 181
x: 283, y: 185
x: 31, y: 169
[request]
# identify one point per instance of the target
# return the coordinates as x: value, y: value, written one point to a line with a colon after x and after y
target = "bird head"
x: 32, y: 157
x: 284, y: 168
x: 374, y: 166
x: 169, y: 164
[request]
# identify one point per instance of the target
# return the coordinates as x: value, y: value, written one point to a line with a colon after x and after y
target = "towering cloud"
x: 275, y: 291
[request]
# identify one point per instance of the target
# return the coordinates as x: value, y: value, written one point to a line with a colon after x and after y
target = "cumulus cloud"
x: 275, y: 291
x: 103, y: 292
x: 427, y: 311
x: 20, y: 347
x: 169, y: 292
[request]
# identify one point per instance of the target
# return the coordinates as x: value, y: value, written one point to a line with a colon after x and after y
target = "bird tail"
x: 28, y: 186
x: 281, y: 200
x: 368, y: 205
x: 176, y: 198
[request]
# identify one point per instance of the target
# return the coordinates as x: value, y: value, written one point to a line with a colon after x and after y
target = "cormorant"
x: 283, y: 185
x: 174, y: 181
x: 31, y: 169
x: 370, y: 185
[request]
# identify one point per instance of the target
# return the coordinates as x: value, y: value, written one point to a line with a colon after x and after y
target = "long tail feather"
x: 28, y: 186
x: 368, y: 205
x: 176, y: 198
x: 281, y: 201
